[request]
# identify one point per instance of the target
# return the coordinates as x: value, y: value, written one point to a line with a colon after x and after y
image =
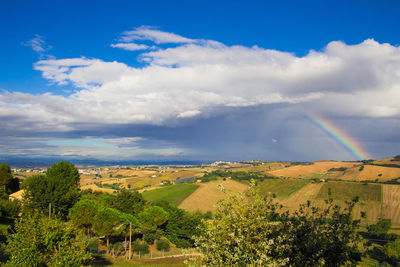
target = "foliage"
x: 45, y: 242
x: 153, y: 217
x: 340, y: 169
x: 59, y: 187
x: 163, y: 244
x: 140, y: 246
x: 83, y: 213
x: 251, y: 229
x: 322, y: 236
x: 10, y: 208
x: 130, y: 202
x: 392, y: 251
x: 381, y: 228
x: 7, y: 181
x: 183, y: 224
x: 361, y: 168
x: 243, y: 232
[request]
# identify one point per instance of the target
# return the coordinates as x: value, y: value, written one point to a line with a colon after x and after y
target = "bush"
x: 392, y: 251
x: 183, y: 243
x: 140, y: 246
x: 163, y: 244
x: 380, y: 228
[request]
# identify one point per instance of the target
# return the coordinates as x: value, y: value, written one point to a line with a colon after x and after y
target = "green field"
x: 281, y: 187
x: 173, y: 193
x: 347, y: 191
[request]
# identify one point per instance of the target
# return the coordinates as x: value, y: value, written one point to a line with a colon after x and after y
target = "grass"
x: 282, y: 187
x: 347, y: 191
x: 173, y: 193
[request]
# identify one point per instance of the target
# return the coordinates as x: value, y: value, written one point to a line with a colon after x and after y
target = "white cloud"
x: 202, y: 78
x: 154, y: 35
x: 37, y: 44
x: 131, y: 46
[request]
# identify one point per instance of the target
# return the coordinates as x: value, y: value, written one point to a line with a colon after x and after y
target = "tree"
x: 392, y: 251
x: 40, y: 241
x: 106, y: 223
x: 251, y: 229
x: 380, y: 228
x: 60, y: 187
x: 163, y: 244
x: 244, y: 232
x: 7, y: 181
x: 83, y: 213
x: 130, y: 202
x: 153, y: 217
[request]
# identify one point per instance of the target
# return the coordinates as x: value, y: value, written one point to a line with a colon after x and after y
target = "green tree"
x: 130, y: 202
x: 60, y: 187
x: 244, y: 232
x: 163, y: 244
x: 83, y: 213
x: 7, y: 181
x: 153, y: 217
x: 45, y: 242
x: 380, y: 228
x: 108, y: 222
x: 252, y: 230
x: 392, y: 251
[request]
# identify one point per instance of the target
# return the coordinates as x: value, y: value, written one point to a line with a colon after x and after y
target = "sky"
x: 200, y: 80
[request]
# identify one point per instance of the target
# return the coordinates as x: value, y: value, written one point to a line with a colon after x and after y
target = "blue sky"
x: 201, y: 80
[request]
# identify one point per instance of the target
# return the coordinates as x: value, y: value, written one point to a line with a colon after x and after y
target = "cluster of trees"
x: 58, y: 223
x: 251, y: 230
x: 236, y: 175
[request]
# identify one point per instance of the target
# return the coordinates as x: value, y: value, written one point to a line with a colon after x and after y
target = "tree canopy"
x: 60, y: 187
x: 254, y: 230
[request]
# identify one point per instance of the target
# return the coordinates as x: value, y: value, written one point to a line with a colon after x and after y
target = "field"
x: 207, y: 195
x: 348, y: 190
x: 173, y: 193
x: 318, y: 167
x: 371, y: 173
x: 281, y: 187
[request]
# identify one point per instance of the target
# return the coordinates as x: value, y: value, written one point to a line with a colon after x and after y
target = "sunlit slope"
x: 207, y: 195
x: 370, y: 173
x: 306, y: 171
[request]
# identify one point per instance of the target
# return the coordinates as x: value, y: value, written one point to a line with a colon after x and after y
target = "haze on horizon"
x: 198, y: 81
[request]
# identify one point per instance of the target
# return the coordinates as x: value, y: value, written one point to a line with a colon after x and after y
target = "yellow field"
x: 96, y: 188
x: 371, y: 173
x: 207, y: 195
x: 319, y: 167
x: 391, y: 202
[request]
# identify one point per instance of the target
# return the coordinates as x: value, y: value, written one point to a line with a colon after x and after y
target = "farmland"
x: 173, y: 193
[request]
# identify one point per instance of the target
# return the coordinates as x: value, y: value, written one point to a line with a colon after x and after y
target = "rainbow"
x: 345, y: 140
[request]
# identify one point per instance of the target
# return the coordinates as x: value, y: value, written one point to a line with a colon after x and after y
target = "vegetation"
x: 249, y: 229
x: 163, y: 244
x: 40, y: 241
x: 59, y: 187
x: 280, y: 187
x: 347, y: 190
x: 340, y: 169
x: 8, y: 183
x: 174, y: 193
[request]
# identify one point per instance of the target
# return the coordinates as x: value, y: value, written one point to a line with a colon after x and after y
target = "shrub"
x: 140, y: 246
x: 163, y: 244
